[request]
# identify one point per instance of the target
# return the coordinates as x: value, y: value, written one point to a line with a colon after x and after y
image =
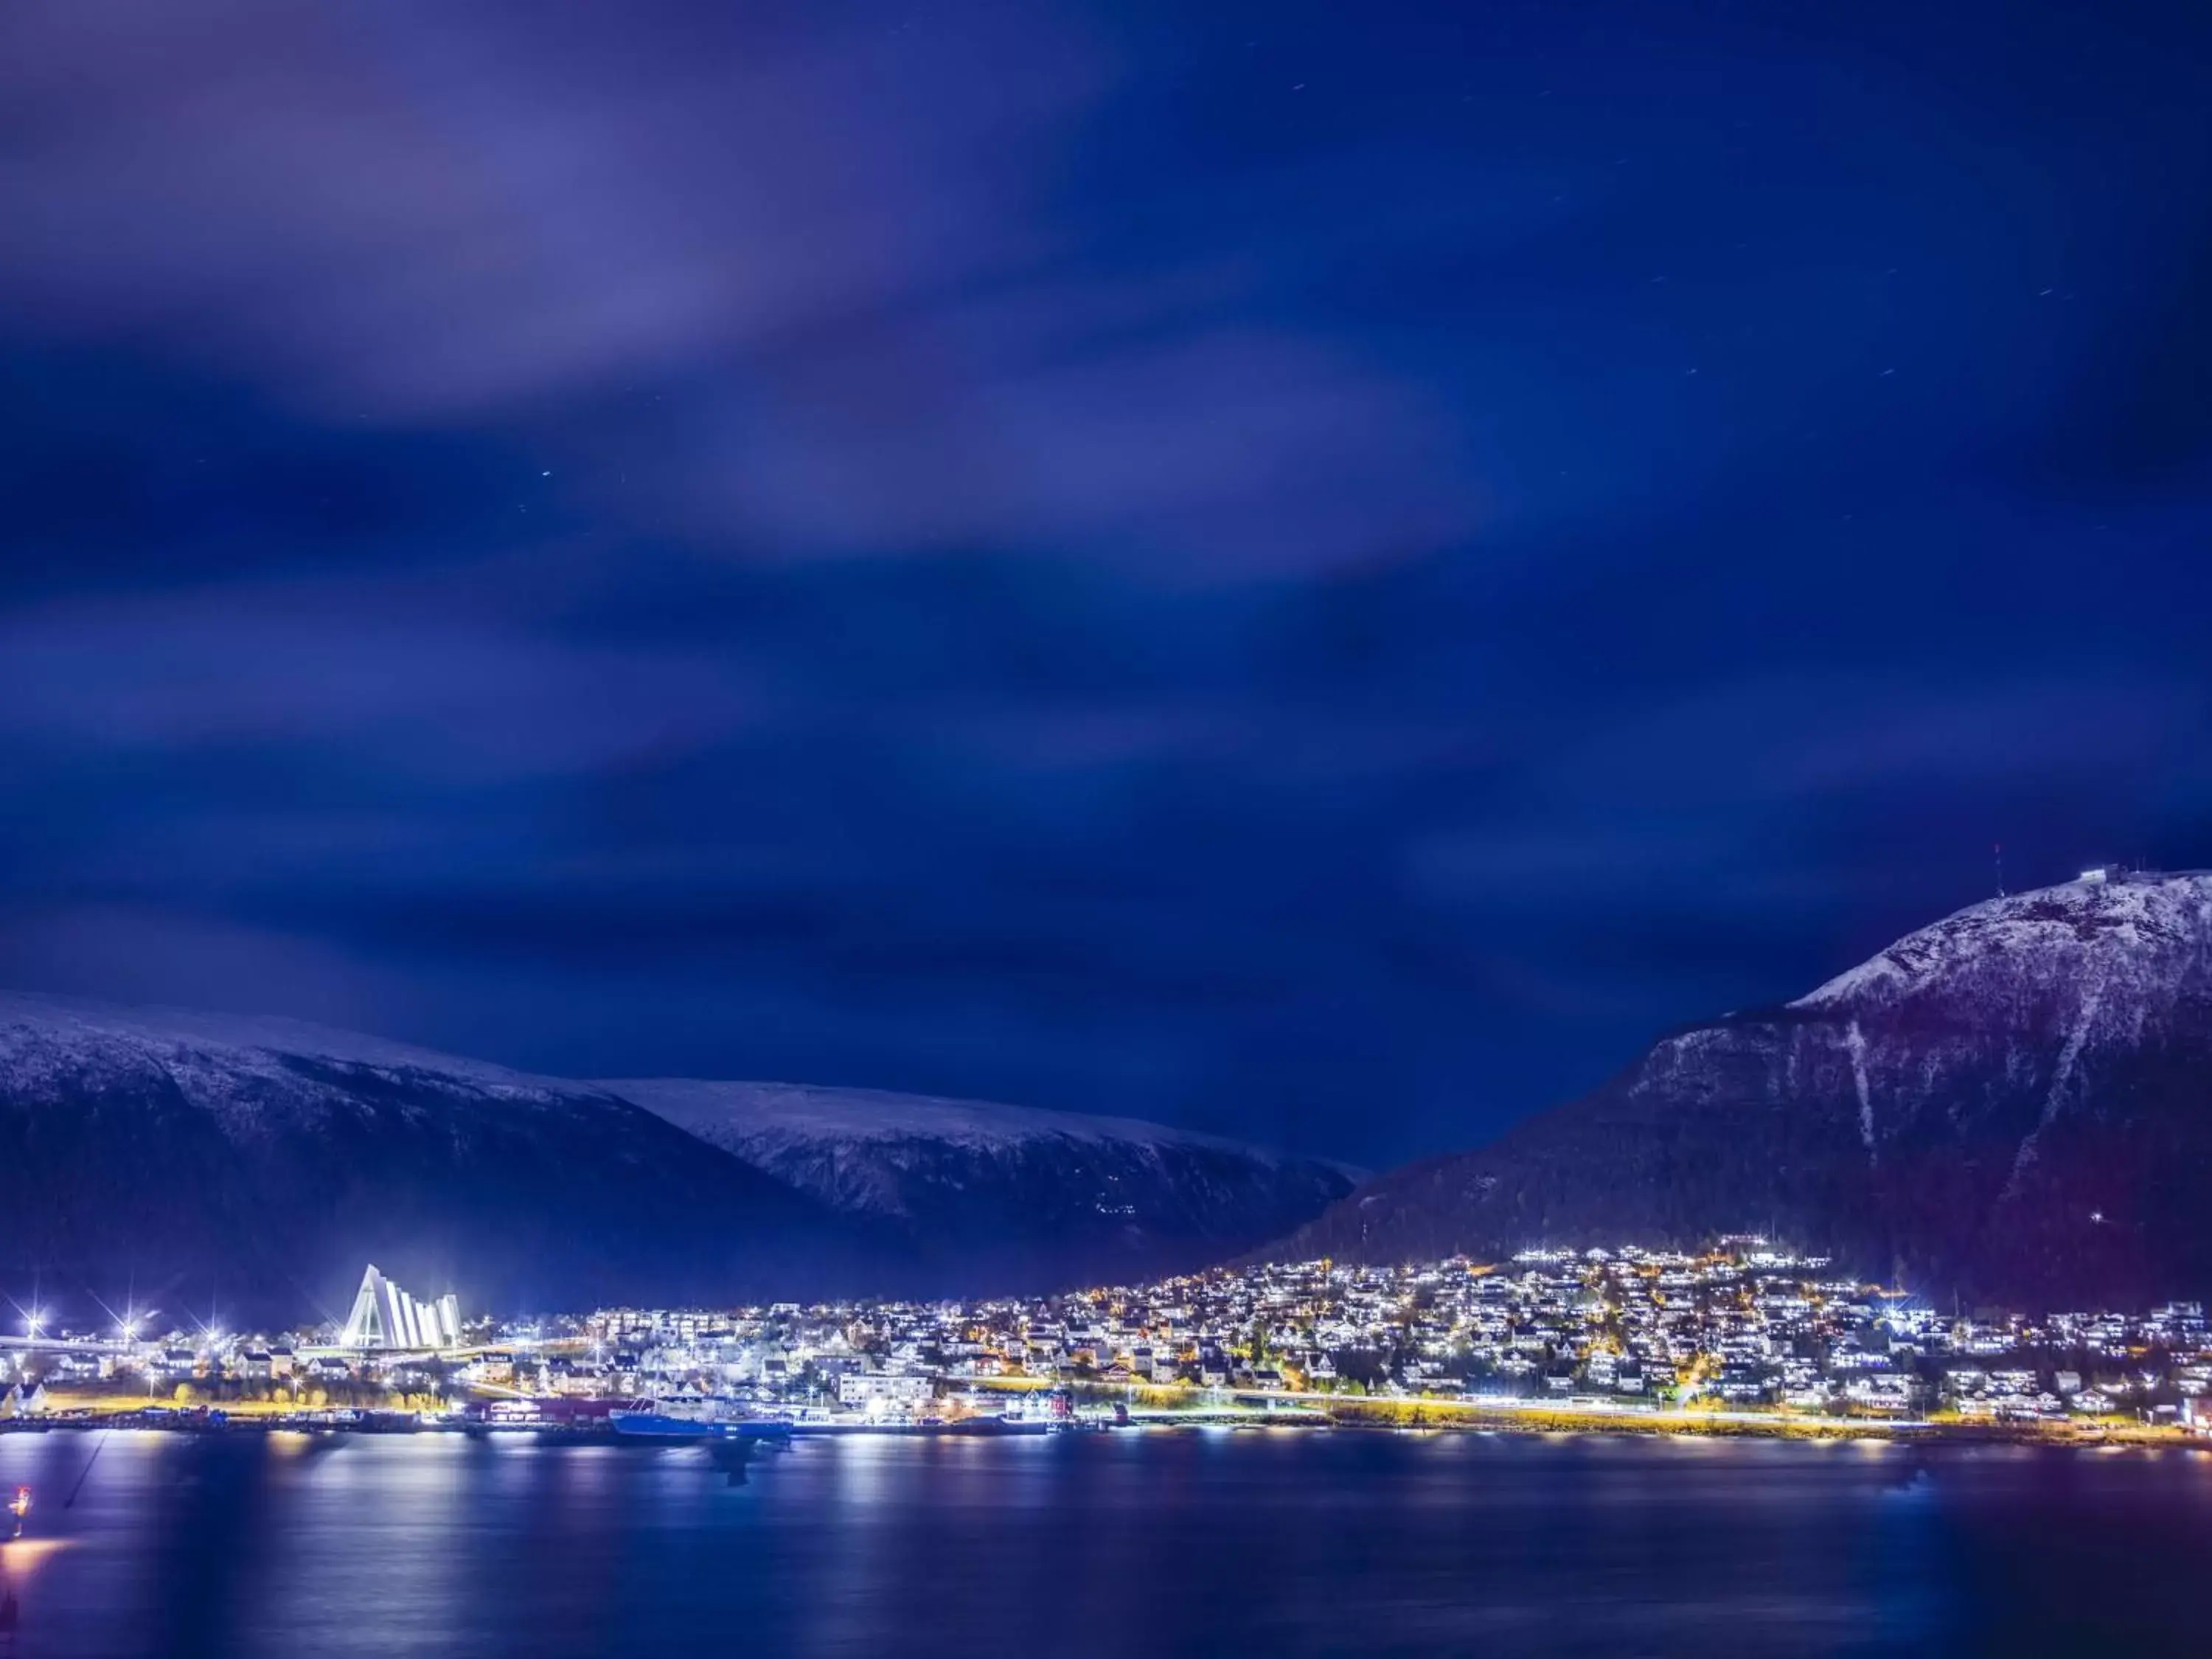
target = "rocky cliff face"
x: 988, y: 1198
x: 2015, y: 1103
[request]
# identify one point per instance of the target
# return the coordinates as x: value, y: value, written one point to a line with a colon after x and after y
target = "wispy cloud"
x: 1211, y: 562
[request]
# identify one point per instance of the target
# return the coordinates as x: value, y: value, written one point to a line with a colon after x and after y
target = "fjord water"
x: 1163, y: 1543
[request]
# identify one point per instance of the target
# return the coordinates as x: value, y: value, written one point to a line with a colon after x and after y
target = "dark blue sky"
x: 1318, y: 572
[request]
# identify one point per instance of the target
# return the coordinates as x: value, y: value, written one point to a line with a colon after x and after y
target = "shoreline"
x: 1364, y: 1417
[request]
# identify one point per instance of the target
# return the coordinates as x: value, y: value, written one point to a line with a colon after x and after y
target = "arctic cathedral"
x: 386, y: 1316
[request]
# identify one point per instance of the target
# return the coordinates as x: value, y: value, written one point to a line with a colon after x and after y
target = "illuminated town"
x: 1741, y: 1337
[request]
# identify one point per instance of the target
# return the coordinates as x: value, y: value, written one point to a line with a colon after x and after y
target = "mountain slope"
x: 2015, y: 1103
x: 993, y: 1197
x: 253, y: 1166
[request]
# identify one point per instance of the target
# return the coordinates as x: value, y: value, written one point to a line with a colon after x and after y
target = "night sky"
x: 1320, y: 571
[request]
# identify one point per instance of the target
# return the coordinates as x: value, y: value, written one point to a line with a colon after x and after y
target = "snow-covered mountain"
x: 197, y: 1160
x: 1001, y: 1196
x: 2015, y: 1101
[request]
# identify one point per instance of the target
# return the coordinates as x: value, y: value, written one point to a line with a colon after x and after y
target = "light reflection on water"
x: 1163, y: 1543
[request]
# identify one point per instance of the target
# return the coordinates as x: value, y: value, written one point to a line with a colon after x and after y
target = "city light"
x: 1746, y: 1336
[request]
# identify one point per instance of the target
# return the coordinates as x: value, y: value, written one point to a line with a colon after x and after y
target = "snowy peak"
x: 2140, y: 927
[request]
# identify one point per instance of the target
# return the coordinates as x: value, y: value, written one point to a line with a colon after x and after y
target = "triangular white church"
x: 386, y: 1316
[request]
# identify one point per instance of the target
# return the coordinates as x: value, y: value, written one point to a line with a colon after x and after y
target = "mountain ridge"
x: 262, y: 1159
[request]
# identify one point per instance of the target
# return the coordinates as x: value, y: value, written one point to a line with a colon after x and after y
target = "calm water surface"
x: 1154, y: 1544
